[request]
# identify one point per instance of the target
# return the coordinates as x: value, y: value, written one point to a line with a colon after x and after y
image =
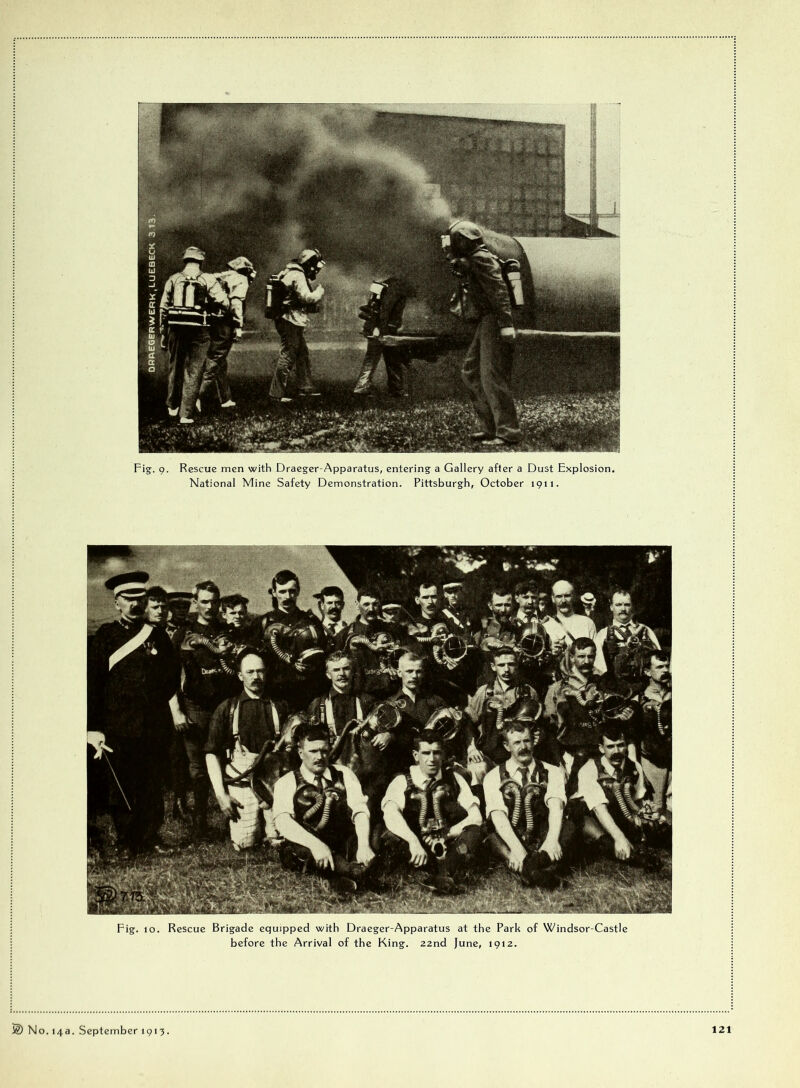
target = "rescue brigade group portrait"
x: 327, y: 282
x: 418, y: 747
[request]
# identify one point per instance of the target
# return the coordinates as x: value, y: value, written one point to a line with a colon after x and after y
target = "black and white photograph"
x: 384, y: 729
x: 378, y: 278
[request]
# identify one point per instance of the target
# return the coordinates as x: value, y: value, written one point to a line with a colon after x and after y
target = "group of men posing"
x: 201, y: 315
x: 435, y: 740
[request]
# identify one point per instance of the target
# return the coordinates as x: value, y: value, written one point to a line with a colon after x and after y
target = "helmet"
x: 241, y: 264
x: 193, y: 254
x: 527, y: 709
x: 465, y: 237
x: 310, y: 256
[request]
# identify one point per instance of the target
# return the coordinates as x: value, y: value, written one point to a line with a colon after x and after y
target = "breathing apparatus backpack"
x: 512, y: 277
x: 190, y: 303
x: 275, y: 296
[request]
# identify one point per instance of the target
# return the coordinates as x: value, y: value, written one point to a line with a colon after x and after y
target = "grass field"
x: 564, y: 405
x: 213, y: 879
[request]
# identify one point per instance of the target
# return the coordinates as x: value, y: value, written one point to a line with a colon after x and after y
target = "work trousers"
x: 299, y: 858
x: 461, y: 854
x: 187, y: 349
x: 538, y: 868
x: 194, y: 740
x: 293, y: 369
x: 397, y: 369
x: 221, y: 332
x: 486, y: 373
x: 649, y: 834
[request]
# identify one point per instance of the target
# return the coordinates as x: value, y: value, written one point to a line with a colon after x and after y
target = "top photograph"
x: 378, y: 278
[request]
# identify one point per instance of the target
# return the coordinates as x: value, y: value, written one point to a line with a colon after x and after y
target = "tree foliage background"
x: 644, y: 570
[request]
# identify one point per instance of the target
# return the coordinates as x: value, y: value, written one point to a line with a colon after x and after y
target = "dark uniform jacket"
x: 487, y: 288
x: 207, y: 677
x: 131, y: 698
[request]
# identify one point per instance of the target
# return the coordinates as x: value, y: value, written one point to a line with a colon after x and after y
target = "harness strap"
x: 133, y: 643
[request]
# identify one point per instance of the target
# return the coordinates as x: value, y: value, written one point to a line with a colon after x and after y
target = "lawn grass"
x: 437, y: 418
x: 214, y: 879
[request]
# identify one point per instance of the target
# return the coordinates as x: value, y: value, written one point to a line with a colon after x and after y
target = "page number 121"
x: 721, y: 1029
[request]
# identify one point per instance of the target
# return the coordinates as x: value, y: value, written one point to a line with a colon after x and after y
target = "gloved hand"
x: 508, y: 335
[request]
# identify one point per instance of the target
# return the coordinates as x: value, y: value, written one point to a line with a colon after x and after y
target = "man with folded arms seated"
x: 617, y: 815
x: 322, y: 813
x: 525, y: 802
x: 433, y: 817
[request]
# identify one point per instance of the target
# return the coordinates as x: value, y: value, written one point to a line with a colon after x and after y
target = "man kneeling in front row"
x: 525, y: 802
x: 618, y: 815
x: 244, y: 729
x: 436, y: 815
x: 322, y: 813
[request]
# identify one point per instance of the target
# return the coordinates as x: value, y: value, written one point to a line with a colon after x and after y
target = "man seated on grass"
x: 525, y: 802
x: 322, y: 813
x: 617, y: 816
x: 243, y: 730
x: 433, y: 817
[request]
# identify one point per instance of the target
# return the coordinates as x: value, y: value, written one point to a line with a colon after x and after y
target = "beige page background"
x: 640, y: 1005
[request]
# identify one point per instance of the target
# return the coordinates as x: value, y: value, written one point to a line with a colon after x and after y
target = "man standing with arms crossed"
x: 321, y: 812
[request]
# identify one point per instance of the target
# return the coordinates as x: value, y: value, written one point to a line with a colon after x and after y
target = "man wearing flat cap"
x: 454, y: 612
x: 178, y: 604
x: 132, y: 709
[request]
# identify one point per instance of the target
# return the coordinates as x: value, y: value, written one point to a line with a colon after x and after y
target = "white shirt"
x: 556, y: 784
x: 562, y: 626
x: 286, y: 786
x: 396, y: 793
x: 593, y: 793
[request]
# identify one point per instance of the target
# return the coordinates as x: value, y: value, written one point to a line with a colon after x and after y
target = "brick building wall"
x: 508, y: 175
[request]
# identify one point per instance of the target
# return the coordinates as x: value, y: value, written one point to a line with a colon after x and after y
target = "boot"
x: 363, y: 386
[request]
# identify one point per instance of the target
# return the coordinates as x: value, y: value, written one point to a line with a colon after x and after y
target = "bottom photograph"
x: 370, y: 729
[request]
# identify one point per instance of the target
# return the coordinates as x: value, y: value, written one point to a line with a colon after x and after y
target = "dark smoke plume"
x: 265, y: 181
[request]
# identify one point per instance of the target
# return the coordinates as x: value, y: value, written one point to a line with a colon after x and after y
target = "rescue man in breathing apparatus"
x: 382, y: 313
x: 484, y: 298
x: 226, y: 326
x: 184, y: 326
x: 291, y: 297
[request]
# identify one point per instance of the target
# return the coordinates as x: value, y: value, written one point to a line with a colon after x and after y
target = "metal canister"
x: 513, y: 276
